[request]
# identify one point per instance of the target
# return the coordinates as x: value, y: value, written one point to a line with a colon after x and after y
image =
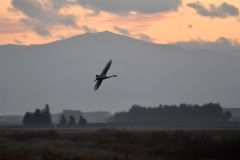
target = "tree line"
x: 41, y: 117
x: 211, y: 112
x: 72, y: 120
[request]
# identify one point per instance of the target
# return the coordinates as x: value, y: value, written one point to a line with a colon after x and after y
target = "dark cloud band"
x: 126, y: 6
x: 41, y: 17
x: 222, y: 44
x: 222, y: 11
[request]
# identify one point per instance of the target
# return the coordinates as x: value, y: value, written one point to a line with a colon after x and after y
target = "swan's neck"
x: 112, y: 76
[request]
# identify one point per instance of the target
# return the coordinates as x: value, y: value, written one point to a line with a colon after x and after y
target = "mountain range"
x: 62, y: 75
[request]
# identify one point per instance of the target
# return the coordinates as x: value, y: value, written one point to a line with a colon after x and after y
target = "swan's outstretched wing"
x: 106, y: 68
x: 98, y: 83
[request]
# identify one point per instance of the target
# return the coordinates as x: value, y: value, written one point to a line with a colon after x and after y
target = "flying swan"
x: 103, y: 76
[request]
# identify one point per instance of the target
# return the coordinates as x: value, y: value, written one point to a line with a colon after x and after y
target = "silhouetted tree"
x: 63, y: 120
x: 27, y: 119
x: 72, y: 120
x: 38, y: 118
x: 227, y: 115
x: 82, y: 120
x: 47, y: 115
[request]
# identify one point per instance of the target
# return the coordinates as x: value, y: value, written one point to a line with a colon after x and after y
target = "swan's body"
x: 103, y: 76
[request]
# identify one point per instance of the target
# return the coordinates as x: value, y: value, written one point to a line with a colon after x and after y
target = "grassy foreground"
x: 115, y: 144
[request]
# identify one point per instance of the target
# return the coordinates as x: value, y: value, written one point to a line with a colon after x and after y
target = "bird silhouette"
x: 103, y: 75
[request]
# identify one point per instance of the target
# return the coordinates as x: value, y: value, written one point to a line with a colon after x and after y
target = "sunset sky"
x: 158, y: 21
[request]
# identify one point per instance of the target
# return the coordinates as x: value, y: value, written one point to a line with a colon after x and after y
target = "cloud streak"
x: 145, y: 38
x: 127, y: 6
x: 88, y: 29
x: 141, y: 36
x: 222, y: 11
x: 121, y: 30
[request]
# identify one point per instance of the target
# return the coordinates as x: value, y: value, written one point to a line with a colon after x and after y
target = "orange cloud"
x: 162, y: 27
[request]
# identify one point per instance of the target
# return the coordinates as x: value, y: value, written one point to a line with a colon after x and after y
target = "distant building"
x: 11, y: 120
x: 235, y: 113
x: 96, y: 117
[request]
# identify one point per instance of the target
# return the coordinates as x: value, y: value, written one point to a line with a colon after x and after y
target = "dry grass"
x: 111, y: 144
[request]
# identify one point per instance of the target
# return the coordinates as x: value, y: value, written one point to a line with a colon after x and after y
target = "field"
x: 89, y: 143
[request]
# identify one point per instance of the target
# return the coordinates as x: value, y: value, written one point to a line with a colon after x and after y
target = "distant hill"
x: 62, y: 74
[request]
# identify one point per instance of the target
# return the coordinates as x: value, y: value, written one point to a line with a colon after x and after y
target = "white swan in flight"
x: 102, y: 76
